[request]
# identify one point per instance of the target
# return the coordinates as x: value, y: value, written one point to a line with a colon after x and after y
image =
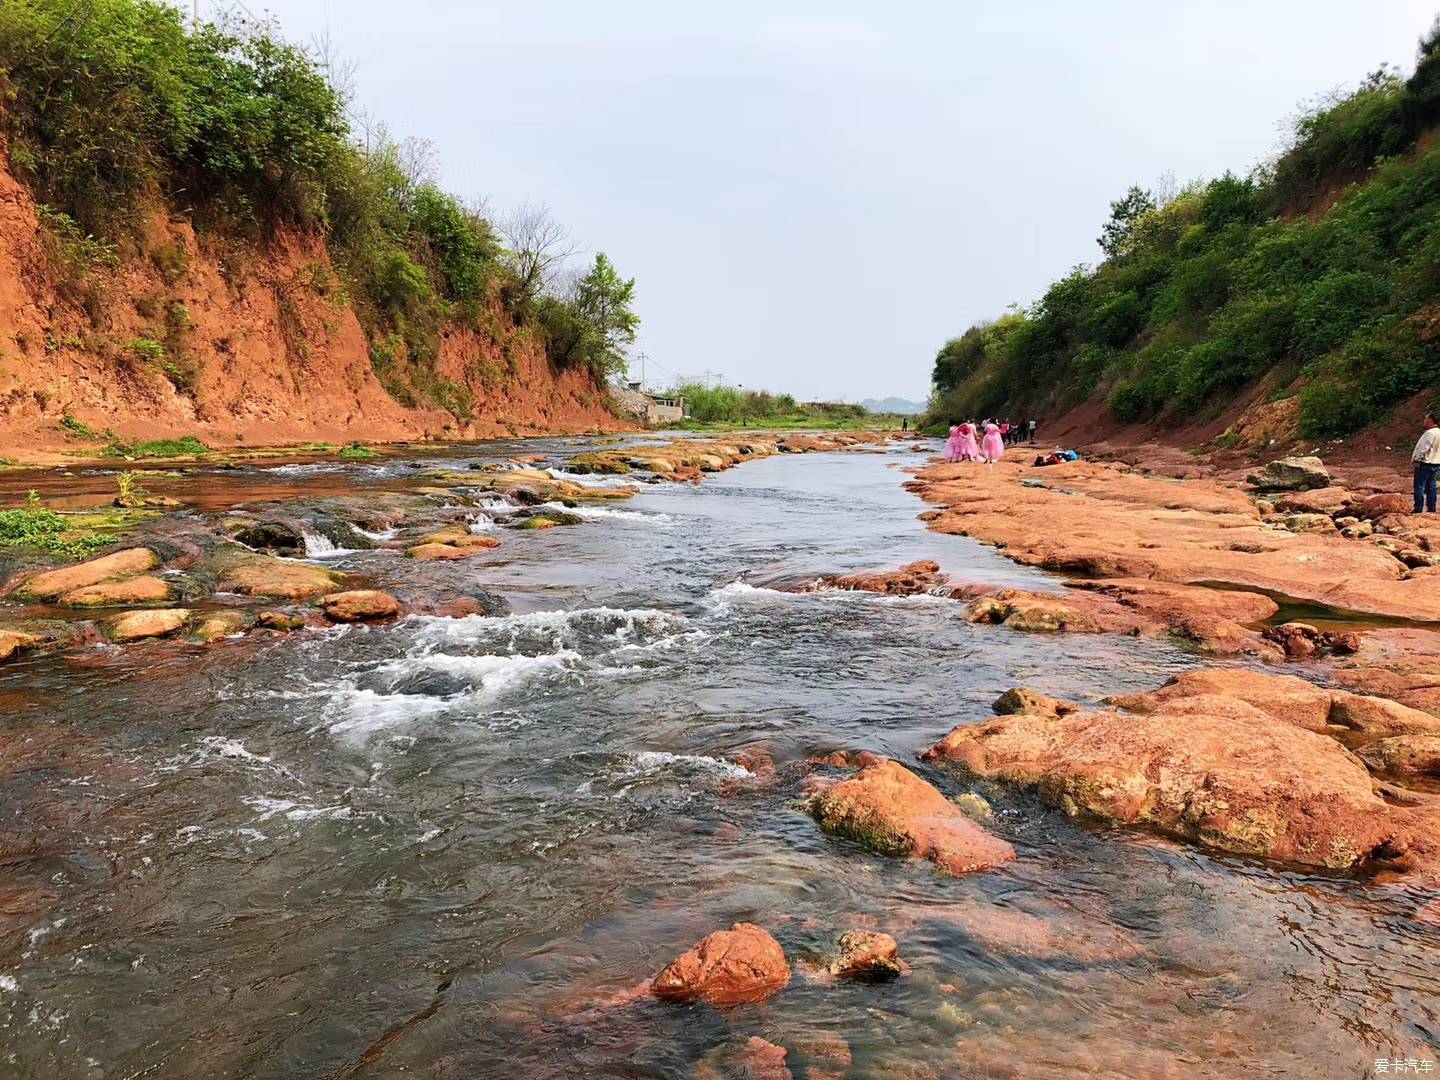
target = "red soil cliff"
x: 274, y: 353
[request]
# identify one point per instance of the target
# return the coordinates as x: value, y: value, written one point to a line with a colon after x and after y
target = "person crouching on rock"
x: 1426, y: 459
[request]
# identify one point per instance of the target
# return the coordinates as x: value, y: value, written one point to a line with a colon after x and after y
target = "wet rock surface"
x: 866, y: 954
x: 359, y: 605
x: 1290, y: 474
x: 887, y: 809
x: 1207, y: 768
x: 729, y: 967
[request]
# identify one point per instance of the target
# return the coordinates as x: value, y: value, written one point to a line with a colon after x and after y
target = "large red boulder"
x: 728, y: 967
x: 1211, y: 769
x: 889, y: 809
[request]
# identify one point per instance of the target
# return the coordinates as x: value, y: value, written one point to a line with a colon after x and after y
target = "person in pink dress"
x: 969, y: 448
x: 952, y: 444
x: 994, y: 447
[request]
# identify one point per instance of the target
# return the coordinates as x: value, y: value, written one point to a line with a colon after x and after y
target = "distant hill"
x: 893, y: 405
x: 1307, y: 291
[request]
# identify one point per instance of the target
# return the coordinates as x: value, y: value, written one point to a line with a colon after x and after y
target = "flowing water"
x: 452, y: 847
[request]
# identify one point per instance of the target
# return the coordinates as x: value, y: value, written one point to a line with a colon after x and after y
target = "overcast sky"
x: 813, y: 196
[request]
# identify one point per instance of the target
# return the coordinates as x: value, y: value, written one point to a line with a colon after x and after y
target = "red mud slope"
x: 279, y: 355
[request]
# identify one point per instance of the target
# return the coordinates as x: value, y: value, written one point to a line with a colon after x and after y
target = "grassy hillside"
x: 1319, y: 271
x: 114, y: 109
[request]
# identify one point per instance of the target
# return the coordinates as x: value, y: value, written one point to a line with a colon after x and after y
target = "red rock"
x: 1404, y: 755
x: 1383, y: 505
x: 359, y: 605
x: 1286, y: 697
x: 887, y: 808
x: 1214, y: 770
x: 908, y: 580
x: 1021, y: 610
x: 866, y: 954
x: 1293, y: 700
x: 53, y: 584
x: 1021, y: 700
x: 728, y: 967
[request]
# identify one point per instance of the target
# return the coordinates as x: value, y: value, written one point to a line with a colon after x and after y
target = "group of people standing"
x: 986, y: 441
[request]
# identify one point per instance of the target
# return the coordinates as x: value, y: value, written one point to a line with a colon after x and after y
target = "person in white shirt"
x: 1427, y: 464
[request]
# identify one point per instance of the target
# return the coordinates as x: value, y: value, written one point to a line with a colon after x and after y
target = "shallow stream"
x: 449, y: 847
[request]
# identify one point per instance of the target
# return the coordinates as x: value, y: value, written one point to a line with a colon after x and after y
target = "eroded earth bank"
x: 602, y: 757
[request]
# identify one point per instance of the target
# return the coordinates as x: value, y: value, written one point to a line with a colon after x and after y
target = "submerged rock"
x: 359, y: 605
x: 888, y: 809
x: 1290, y: 474
x: 1019, y: 933
x: 136, y: 625
x: 53, y: 584
x: 728, y: 967
x: 866, y: 954
x: 754, y: 1059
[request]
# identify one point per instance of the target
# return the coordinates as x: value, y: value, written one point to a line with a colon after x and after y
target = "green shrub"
x: 47, y: 531
x: 186, y: 446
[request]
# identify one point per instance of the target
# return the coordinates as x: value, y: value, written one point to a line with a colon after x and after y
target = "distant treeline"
x: 730, y: 404
x: 1320, y: 270
x: 112, y: 107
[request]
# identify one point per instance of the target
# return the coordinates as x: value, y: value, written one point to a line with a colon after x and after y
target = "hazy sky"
x: 813, y: 196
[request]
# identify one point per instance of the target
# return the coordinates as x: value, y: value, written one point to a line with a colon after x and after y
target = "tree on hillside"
x: 1116, y: 233
x: 589, y: 319
x: 538, y: 246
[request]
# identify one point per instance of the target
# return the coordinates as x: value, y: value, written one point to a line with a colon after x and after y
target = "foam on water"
x: 571, y: 628
x: 493, y: 675
x: 322, y: 547
x: 592, y: 480
x: 609, y: 513
x: 355, y: 713
x: 648, y: 761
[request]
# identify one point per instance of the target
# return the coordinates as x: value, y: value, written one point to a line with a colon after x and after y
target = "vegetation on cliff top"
x: 1320, y: 271
x: 111, y: 106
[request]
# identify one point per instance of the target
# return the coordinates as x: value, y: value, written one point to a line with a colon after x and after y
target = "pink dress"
x: 994, y: 445
x: 969, y: 449
x: 952, y: 444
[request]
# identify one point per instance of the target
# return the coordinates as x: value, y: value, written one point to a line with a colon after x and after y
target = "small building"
x: 649, y: 408
x: 664, y: 410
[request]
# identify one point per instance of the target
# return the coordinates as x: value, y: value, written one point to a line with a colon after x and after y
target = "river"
x: 448, y: 847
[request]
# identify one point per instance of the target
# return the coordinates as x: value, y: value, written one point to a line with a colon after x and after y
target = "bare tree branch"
x: 538, y: 246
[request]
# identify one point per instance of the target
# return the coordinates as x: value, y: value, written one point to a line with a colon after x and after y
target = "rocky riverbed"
x: 608, y: 758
